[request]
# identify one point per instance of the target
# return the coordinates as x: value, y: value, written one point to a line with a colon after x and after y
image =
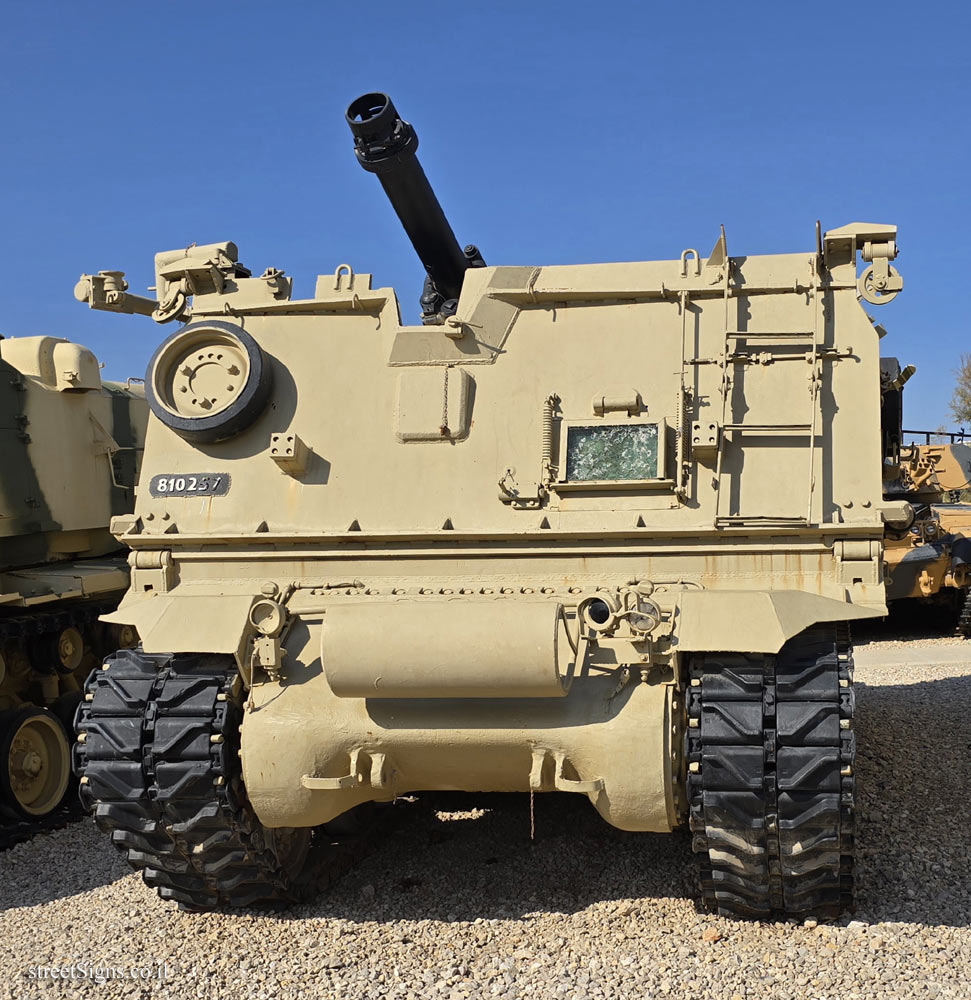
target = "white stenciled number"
x: 184, y: 485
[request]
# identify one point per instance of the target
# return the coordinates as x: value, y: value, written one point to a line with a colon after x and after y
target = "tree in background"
x: 961, y: 397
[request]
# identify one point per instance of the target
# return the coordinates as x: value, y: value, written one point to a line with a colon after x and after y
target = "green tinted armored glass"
x: 621, y: 451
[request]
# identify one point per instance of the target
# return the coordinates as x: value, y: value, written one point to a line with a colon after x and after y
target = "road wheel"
x: 35, y: 762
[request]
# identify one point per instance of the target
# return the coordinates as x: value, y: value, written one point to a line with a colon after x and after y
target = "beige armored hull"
x: 69, y: 448
x: 539, y: 542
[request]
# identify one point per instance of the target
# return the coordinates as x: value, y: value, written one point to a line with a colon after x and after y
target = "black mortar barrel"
x: 385, y: 145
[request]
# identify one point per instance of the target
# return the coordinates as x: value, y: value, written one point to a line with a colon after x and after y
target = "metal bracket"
x: 108, y: 290
x: 290, y: 453
x: 350, y: 780
x: 880, y: 283
x: 538, y: 783
x: 705, y: 439
x: 377, y: 776
x: 267, y: 654
x: 527, y: 495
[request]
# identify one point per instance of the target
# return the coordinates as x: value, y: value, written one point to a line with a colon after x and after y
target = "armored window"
x: 611, y: 452
x: 615, y: 455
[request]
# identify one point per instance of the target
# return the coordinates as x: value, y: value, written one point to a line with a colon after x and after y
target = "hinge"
x: 152, y: 571
x: 858, y: 561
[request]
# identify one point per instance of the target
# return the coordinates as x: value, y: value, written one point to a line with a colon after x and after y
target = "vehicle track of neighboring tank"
x: 964, y: 619
x: 27, y: 629
x: 770, y: 752
x: 158, y: 760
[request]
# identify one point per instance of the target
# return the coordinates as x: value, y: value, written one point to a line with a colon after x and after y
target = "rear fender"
x: 756, y: 621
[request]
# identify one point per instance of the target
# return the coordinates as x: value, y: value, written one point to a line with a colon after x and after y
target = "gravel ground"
x: 459, y: 903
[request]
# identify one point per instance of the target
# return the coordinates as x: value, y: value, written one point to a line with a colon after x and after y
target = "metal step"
x: 766, y: 520
x: 770, y: 428
x: 772, y: 335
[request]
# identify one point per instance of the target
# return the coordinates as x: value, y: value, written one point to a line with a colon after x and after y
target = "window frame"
x: 660, y: 482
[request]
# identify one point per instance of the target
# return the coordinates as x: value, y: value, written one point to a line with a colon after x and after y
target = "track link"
x: 770, y: 751
x: 159, y: 767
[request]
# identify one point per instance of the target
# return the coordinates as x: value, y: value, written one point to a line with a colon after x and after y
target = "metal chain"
x: 444, y: 428
x: 532, y: 818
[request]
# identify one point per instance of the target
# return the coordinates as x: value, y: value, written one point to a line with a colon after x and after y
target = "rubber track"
x: 24, y: 627
x: 770, y: 751
x: 159, y: 768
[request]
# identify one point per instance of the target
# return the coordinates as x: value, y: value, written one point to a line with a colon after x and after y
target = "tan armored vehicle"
x: 929, y: 557
x: 539, y: 542
x: 955, y: 524
x: 69, y: 448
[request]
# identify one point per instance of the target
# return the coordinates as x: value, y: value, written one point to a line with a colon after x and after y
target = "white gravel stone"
x: 459, y: 904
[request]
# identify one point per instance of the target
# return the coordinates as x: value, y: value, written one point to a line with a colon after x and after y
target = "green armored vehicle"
x: 69, y: 449
x: 538, y: 542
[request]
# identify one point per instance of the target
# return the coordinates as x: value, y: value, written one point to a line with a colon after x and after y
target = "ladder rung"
x: 768, y: 335
x: 771, y: 428
x: 760, y: 519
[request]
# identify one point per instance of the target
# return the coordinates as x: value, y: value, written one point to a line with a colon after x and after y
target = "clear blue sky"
x: 553, y: 132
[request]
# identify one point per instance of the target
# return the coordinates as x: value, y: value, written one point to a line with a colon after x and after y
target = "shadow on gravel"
x: 51, y: 866
x: 463, y: 867
x: 908, y: 620
x: 914, y: 794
